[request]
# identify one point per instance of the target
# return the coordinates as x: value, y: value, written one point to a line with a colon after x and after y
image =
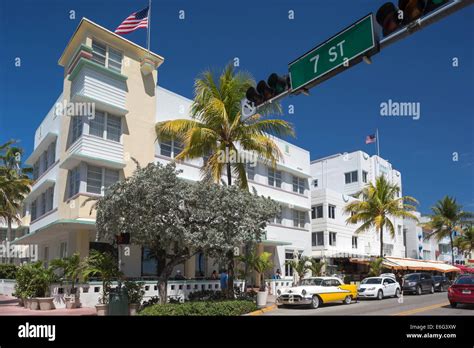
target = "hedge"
x: 8, y: 271
x: 201, y: 308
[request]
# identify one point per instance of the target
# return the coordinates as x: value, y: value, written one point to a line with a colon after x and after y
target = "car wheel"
x: 380, y: 295
x: 418, y: 290
x: 453, y: 304
x: 315, y: 302
x: 432, y: 289
x: 281, y: 306
x: 347, y: 300
x: 397, y: 293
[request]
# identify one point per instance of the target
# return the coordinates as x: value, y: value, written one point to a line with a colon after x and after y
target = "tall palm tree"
x: 380, y: 202
x: 14, y: 184
x: 300, y: 266
x: 217, y: 130
x: 316, y: 267
x: 447, y: 217
x: 465, y: 242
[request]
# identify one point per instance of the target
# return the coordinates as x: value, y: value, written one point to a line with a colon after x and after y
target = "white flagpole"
x: 149, y: 25
x: 377, y: 138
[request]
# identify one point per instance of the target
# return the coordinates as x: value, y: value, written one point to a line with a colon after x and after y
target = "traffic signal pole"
x: 425, y: 21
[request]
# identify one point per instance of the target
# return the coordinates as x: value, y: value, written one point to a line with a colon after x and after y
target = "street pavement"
x: 9, y: 306
x: 426, y: 304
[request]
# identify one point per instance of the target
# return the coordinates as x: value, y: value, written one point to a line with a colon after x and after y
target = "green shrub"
x: 206, y: 295
x: 201, y: 308
x: 8, y: 271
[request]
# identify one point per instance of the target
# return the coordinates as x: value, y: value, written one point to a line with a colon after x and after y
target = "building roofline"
x: 107, y: 31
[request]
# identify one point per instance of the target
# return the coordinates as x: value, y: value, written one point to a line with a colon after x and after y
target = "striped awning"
x: 398, y: 263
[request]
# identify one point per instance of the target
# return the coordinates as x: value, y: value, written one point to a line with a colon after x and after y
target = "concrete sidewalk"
x: 9, y: 306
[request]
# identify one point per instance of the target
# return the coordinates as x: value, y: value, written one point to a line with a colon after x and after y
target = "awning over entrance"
x: 397, y: 263
x: 273, y: 242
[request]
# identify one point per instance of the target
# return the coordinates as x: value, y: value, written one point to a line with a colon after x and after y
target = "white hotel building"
x: 76, y: 157
x: 335, y: 179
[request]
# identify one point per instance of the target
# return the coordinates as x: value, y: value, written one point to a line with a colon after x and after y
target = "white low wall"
x: 89, y: 293
x: 276, y: 284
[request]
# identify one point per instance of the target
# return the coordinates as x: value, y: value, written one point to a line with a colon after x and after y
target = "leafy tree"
x: 14, y: 184
x: 380, y: 202
x: 238, y: 217
x: 447, y: 217
x: 217, y: 127
x: 465, y: 242
x: 102, y: 265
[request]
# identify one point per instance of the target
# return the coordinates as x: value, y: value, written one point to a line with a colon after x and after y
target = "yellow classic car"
x: 317, y: 290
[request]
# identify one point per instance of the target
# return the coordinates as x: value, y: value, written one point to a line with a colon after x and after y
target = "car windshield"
x: 372, y: 281
x: 465, y: 280
x: 316, y: 281
x: 412, y: 277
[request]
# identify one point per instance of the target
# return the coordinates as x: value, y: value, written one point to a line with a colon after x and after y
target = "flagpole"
x: 377, y: 138
x: 149, y: 25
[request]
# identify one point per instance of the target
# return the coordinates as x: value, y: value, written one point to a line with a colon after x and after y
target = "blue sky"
x: 337, y: 115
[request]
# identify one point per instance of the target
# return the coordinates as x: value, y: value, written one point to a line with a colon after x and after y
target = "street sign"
x: 343, y: 50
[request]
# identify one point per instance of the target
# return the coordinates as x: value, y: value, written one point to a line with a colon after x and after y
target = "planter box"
x: 102, y: 309
x: 72, y: 302
x: 133, y: 308
x: 33, y: 304
x: 46, y: 303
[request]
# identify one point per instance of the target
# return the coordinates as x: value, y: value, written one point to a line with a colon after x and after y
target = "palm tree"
x: 14, y: 184
x: 376, y: 267
x: 217, y: 130
x: 300, y: 266
x: 72, y: 269
x: 465, y: 241
x: 261, y: 264
x: 316, y: 267
x: 379, y: 203
x: 447, y: 217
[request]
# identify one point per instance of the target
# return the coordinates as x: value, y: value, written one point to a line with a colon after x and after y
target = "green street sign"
x: 341, y: 51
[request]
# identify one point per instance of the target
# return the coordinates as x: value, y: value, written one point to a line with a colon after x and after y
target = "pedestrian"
x: 223, y: 280
x: 179, y: 276
x: 277, y: 274
x: 214, y: 275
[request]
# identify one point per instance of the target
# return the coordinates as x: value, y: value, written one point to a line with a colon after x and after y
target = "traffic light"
x: 266, y: 90
x: 392, y: 18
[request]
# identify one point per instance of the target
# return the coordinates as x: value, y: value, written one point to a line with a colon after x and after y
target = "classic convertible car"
x: 315, y: 291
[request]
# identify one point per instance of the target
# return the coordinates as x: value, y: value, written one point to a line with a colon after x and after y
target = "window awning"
x: 398, y: 263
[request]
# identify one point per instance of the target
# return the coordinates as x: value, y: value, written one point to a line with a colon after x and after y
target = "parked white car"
x: 379, y: 287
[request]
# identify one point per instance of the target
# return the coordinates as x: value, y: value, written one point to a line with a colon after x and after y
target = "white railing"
x: 276, y: 284
x: 89, y: 293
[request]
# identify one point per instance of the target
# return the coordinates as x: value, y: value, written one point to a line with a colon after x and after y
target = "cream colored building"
x: 113, y: 84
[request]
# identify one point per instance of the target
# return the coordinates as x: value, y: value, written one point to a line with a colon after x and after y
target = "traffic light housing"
x: 266, y: 90
x: 392, y: 18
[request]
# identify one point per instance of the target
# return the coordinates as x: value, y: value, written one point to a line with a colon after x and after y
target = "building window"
x: 43, y: 203
x: 364, y: 176
x: 63, y: 250
x: 444, y: 248
x: 274, y: 177
x: 170, y: 148
x: 76, y: 128
x: 51, y: 154
x: 298, y: 218
x: 298, y: 184
x: 351, y: 177
x: 99, y: 179
x: 426, y: 255
x: 94, y: 179
x: 114, y: 128
x: 331, y: 211
x: 250, y: 171
x: 289, y: 257
x: 278, y: 217
x: 74, y: 181
x: 33, y: 210
x: 354, y: 242
x: 317, y: 238
x: 387, y: 249
x: 399, y: 229
x: 106, y: 56
x: 50, y: 198
x: 332, y: 238
x: 97, y: 124
x: 317, y: 211
x: 315, y: 183
x: 36, y: 170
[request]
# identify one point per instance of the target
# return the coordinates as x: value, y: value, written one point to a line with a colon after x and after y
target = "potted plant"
x: 40, y: 283
x: 261, y: 264
x: 135, y: 293
x: 72, y: 268
x: 105, y: 266
x: 24, y: 290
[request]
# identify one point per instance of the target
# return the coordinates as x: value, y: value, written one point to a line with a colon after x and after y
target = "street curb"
x: 263, y: 310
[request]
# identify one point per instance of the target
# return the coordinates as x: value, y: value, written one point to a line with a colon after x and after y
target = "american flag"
x: 369, y: 139
x: 134, y: 21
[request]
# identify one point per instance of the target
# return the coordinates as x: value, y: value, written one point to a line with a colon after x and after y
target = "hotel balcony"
x: 96, y: 151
